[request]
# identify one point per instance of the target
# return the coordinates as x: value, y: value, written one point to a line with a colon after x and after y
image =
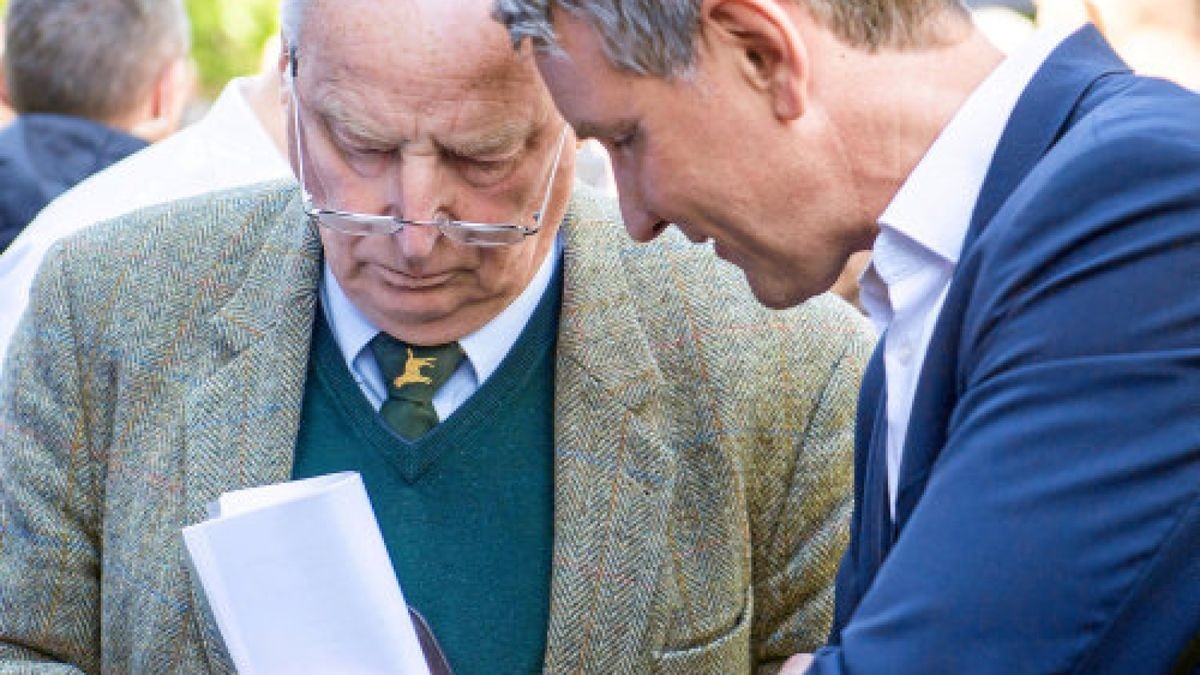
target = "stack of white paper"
x: 299, y: 581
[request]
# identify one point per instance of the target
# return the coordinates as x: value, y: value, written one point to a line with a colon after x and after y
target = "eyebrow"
x: 496, y: 140
x: 587, y: 129
x: 591, y: 129
x: 334, y: 109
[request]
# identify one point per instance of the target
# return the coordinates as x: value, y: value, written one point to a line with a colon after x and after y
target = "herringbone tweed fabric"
x: 703, y: 444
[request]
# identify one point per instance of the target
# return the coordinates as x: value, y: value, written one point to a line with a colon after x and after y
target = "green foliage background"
x: 227, y: 38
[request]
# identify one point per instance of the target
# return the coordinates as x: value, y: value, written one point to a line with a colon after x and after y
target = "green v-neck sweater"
x: 467, y: 510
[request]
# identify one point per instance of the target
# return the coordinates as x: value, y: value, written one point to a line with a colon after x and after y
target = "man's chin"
x: 420, y: 323
x: 426, y: 319
x: 779, y: 296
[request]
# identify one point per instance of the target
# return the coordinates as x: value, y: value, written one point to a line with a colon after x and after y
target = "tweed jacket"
x: 702, y: 443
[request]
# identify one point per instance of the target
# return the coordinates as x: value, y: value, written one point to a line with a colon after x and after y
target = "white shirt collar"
x: 928, y: 218
x: 351, y: 329
x: 934, y: 206
x: 485, y: 348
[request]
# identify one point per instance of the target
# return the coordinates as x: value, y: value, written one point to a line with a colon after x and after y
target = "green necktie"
x: 413, y: 375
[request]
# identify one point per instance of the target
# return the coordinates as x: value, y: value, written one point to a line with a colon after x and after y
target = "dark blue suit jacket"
x: 1048, y: 511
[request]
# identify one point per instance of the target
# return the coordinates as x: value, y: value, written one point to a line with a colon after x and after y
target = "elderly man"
x: 92, y: 82
x: 1028, y: 470
x: 628, y: 466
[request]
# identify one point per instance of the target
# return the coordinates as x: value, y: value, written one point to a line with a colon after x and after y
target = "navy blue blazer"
x: 1048, y: 511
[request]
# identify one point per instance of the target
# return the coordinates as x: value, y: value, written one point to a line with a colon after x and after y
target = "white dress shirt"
x: 485, y: 348
x: 921, y: 233
x: 227, y: 147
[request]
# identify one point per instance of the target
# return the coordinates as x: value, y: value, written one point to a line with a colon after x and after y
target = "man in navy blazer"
x: 1027, y: 479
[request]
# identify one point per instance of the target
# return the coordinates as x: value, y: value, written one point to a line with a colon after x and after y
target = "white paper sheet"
x: 299, y: 581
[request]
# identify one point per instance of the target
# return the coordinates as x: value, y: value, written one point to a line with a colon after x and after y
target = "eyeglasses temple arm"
x: 291, y: 81
x: 562, y: 138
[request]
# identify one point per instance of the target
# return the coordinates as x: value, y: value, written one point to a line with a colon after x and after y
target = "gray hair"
x: 95, y: 59
x: 657, y: 37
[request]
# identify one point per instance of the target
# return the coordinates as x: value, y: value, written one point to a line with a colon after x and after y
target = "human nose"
x: 417, y: 197
x: 416, y: 242
x: 417, y: 189
x: 640, y: 223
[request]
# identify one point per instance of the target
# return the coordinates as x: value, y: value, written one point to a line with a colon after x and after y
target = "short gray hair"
x: 95, y: 59
x: 657, y: 37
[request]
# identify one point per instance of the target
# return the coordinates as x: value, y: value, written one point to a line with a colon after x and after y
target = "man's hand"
x: 797, y: 665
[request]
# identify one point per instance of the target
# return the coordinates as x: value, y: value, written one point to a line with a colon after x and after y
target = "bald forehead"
x: 447, y: 34
x: 398, y: 71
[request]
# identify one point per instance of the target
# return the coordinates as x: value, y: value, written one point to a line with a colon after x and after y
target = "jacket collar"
x: 1042, y: 116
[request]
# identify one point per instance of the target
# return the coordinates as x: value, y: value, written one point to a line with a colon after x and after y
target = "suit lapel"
x: 241, y: 420
x: 876, y: 516
x: 613, y: 470
x: 1043, y: 114
x: 871, y: 525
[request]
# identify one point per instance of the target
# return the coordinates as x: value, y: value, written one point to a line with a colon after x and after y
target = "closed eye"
x: 622, y: 140
x: 483, y: 171
x: 364, y: 148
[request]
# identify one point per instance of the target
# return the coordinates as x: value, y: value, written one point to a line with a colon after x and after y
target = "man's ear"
x: 770, y: 52
x: 168, y: 98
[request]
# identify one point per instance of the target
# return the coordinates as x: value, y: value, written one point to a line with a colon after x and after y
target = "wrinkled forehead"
x: 416, y: 57
x: 455, y: 41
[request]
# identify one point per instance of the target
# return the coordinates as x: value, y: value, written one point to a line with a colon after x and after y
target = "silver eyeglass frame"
x: 365, y: 224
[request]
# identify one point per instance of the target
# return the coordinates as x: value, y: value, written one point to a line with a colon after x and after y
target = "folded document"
x: 299, y: 581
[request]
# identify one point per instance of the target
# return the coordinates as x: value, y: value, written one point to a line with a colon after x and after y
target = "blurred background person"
x: 1160, y: 38
x: 1063, y: 12
x: 1025, y: 7
x: 239, y: 141
x: 1004, y: 26
x: 6, y: 112
x: 92, y: 82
